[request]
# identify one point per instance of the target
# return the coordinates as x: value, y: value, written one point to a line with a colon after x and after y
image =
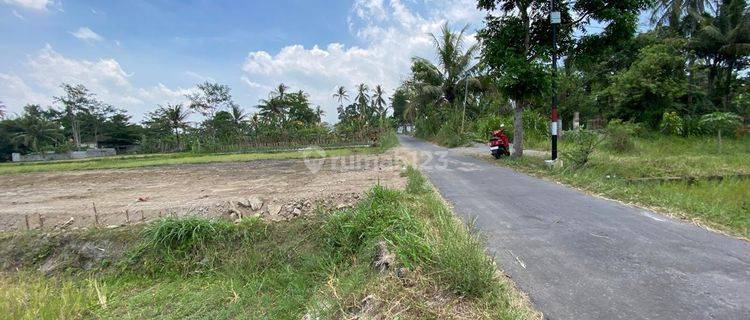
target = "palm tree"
x: 280, y: 90
x: 272, y: 108
x: 362, y: 99
x: 341, y: 94
x: 35, y: 129
x: 443, y: 82
x: 238, y: 115
x: 674, y: 12
x: 319, y: 113
x: 378, y: 101
x: 724, y: 40
x: 176, y: 118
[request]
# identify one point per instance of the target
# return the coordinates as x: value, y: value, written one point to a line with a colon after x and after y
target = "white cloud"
x: 18, y: 15
x: 86, y: 34
x: 31, y: 4
x: 47, y: 69
x: 391, y: 34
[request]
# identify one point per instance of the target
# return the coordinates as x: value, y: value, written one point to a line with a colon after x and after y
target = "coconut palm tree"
x: 455, y: 67
x: 724, y: 41
x: 238, y: 115
x: 341, y: 95
x: 675, y: 12
x: 280, y: 91
x: 35, y: 129
x: 362, y: 100
x: 176, y: 116
x: 378, y: 101
x: 272, y: 109
x: 319, y: 113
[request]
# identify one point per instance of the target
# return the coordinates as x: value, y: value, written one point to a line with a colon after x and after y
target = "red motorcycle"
x: 499, y: 144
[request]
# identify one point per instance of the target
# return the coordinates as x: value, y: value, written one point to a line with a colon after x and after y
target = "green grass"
x: 164, y: 159
x: 320, y: 265
x: 722, y: 205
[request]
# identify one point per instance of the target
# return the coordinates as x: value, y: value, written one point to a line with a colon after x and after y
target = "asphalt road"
x: 583, y: 257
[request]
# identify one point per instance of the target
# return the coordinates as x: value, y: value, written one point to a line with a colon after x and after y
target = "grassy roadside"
x: 722, y: 205
x: 165, y: 159
x: 320, y: 266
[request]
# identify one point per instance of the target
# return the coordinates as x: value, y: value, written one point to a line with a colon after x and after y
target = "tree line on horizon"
x: 79, y: 118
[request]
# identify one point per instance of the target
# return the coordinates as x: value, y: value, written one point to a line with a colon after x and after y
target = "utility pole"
x: 555, y: 21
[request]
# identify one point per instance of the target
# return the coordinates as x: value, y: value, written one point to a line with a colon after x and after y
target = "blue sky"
x: 136, y: 54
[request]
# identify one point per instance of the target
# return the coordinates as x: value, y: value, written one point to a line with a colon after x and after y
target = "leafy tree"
x: 517, y: 43
x: 210, y: 98
x: 399, y: 102
x: 655, y: 83
x: 76, y: 101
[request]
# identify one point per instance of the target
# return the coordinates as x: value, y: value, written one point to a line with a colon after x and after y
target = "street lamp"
x: 554, y: 18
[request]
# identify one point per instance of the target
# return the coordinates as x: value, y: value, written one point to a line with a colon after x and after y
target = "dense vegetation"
x: 684, y: 75
x: 285, y: 118
x: 397, y: 254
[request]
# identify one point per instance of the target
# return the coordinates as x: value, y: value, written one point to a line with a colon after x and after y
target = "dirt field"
x: 273, y: 189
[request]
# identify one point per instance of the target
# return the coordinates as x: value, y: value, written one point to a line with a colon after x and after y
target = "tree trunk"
x: 728, y: 85
x: 518, y: 129
x: 177, y: 137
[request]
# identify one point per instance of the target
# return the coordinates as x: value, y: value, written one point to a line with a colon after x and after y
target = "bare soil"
x: 272, y: 189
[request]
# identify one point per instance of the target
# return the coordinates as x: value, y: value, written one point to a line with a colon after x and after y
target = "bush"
x: 620, y: 135
x: 449, y: 134
x: 582, y: 145
x: 672, y: 123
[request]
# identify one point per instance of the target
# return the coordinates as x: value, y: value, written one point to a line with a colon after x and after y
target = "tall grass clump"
x: 387, y: 140
x: 416, y: 183
x: 179, y: 235
x: 382, y: 216
x: 460, y: 258
x: 26, y: 296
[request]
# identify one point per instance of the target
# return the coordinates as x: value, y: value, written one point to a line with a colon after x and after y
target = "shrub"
x: 672, y: 123
x: 693, y: 127
x: 720, y: 122
x: 583, y: 143
x: 449, y: 134
x: 620, y: 135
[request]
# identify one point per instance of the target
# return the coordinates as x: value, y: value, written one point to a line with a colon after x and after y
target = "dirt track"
x: 274, y: 189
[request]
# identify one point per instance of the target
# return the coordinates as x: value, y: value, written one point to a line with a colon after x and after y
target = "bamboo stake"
x: 127, y: 217
x: 96, y: 215
x: 41, y: 221
x: 26, y: 217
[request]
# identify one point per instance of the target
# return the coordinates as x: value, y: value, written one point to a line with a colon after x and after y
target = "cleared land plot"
x: 284, y: 188
x: 136, y: 161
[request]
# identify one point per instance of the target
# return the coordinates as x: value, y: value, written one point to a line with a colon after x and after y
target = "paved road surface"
x: 582, y: 257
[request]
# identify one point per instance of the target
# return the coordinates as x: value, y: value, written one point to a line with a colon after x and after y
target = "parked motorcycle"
x: 499, y: 144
